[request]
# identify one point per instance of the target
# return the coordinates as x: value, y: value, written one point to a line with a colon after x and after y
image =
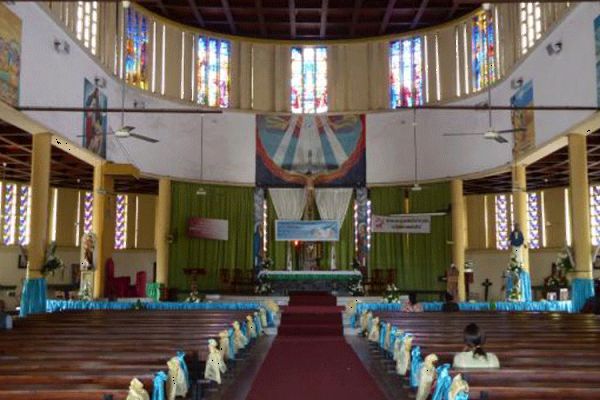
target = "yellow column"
x: 40, y: 193
x: 103, y: 223
x: 162, y: 228
x: 459, y: 234
x: 519, y: 183
x: 580, y: 206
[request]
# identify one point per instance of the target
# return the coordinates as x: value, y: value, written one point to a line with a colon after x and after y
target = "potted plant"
x: 52, y: 262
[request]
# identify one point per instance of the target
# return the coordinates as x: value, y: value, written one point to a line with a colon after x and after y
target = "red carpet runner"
x: 310, y: 358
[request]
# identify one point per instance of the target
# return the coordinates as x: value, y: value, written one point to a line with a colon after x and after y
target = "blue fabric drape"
x: 270, y: 321
x: 443, y: 383
x: 520, y: 306
x: 231, y: 350
x: 257, y: 325
x: 67, y: 305
x: 353, y: 320
x: 393, y: 331
x: 581, y: 290
x: 462, y: 396
x: 244, y: 329
x: 33, y: 298
x: 158, y: 390
x: 525, y: 286
x: 415, y: 365
x: 183, y: 366
x: 382, y: 334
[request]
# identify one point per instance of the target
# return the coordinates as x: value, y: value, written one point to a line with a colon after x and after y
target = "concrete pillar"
x: 519, y: 183
x: 103, y: 224
x: 162, y: 229
x: 459, y: 234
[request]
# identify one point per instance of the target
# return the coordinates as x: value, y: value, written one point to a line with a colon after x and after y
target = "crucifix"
x: 486, y: 284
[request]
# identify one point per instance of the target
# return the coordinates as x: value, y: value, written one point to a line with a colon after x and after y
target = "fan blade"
x: 142, y: 137
x: 511, y: 130
x: 500, y: 139
x: 463, y: 134
x: 127, y: 128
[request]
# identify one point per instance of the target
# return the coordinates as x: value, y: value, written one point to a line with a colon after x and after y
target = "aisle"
x: 310, y: 358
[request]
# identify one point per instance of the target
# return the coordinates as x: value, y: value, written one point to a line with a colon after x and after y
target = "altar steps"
x: 311, y: 314
x: 312, y: 299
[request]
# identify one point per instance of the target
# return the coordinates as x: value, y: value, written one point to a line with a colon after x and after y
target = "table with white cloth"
x: 282, y: 282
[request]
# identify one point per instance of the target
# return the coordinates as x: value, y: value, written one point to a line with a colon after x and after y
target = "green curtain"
x: 236, y: 205
x: 419, y: 259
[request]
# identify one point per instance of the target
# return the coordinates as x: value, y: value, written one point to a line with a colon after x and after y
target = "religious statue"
x: 427, y: 375
x: 137, y: 391
x: 452, y: 281
x: 88, y: 247
x: 517, y: 242
x: 215, y: 366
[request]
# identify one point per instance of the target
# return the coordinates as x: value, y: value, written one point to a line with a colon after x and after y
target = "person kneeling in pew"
x: 6, y: 322
x: 473, y: 356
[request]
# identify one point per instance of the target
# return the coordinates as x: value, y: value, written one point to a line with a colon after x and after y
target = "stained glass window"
x: 595, y: 214
x: 88, y: 209
x: 309, y: 80
x: 86, y: 27
x: 121, y: 222
x: 9, y: 213
x: 24, y: 214
x: 534, y: 218
x: 502, y: 226
x: 406, y: 72
x: 483, y: 50
x: 531, y: 24
x: 136, y: 42
x: 213, y: 72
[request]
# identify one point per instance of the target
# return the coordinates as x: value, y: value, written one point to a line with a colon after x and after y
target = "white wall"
x: 127, y: 263
x: 564, y: 79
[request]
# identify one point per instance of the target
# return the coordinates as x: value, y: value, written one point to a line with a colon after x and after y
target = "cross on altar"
x: 486, y: 284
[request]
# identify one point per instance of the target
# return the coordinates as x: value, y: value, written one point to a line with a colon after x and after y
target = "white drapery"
x: 288, y: 203
x: 333, y: 205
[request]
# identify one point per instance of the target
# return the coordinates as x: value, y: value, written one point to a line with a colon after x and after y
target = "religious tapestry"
x: 10, y: 56
x: 597, y: 36
x: 310, y: 150
x: 94, y: 121
x: 524, y: 140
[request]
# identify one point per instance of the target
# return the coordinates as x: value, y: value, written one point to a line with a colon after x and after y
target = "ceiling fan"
x: 490, y: 133
x: 126, y: 131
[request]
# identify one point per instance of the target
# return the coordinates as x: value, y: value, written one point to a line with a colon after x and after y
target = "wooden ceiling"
x: 310, y: 19
x: 66, y: 171
x: 550, y: 171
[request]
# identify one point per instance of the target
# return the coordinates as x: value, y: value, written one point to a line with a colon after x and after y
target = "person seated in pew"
x: 449, y: 305
x: 5, y: 319
x: 412, y: 305
x: 473, y: 355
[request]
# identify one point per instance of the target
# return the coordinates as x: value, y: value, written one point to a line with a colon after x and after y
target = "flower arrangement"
x: 356, y: 288
x: 565, y: 261
x: 85, y: 293
x: 392, y: 294
x: 515, y: 267
x: 263, y: 288
x: 267, y: 263
x: 138, y: 305
x: 52, y: 263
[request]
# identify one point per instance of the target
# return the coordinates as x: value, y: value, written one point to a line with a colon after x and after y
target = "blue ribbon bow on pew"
x: 183, y: 366
x: 415, y: 365
x: 231, y: 350
x: 443, y: 383
x: 158, y: 392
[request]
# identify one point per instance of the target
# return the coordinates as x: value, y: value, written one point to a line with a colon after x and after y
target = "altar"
x: 331, y: 281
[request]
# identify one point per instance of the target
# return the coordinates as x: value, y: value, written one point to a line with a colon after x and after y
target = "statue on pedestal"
x: 452, y: 281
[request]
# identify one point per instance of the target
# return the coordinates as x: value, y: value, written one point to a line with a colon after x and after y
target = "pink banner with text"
x: 208, y: 228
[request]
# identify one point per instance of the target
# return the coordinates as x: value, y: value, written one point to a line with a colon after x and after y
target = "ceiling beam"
x: 227, y: 10
x: 196, y: 12
x: 162, y: 7
x: 355, y: 14
x: 387, y: 16
x: 324, y: 9
x: 292, y: 11
x: 420, y: 12
x: 261, y: 18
